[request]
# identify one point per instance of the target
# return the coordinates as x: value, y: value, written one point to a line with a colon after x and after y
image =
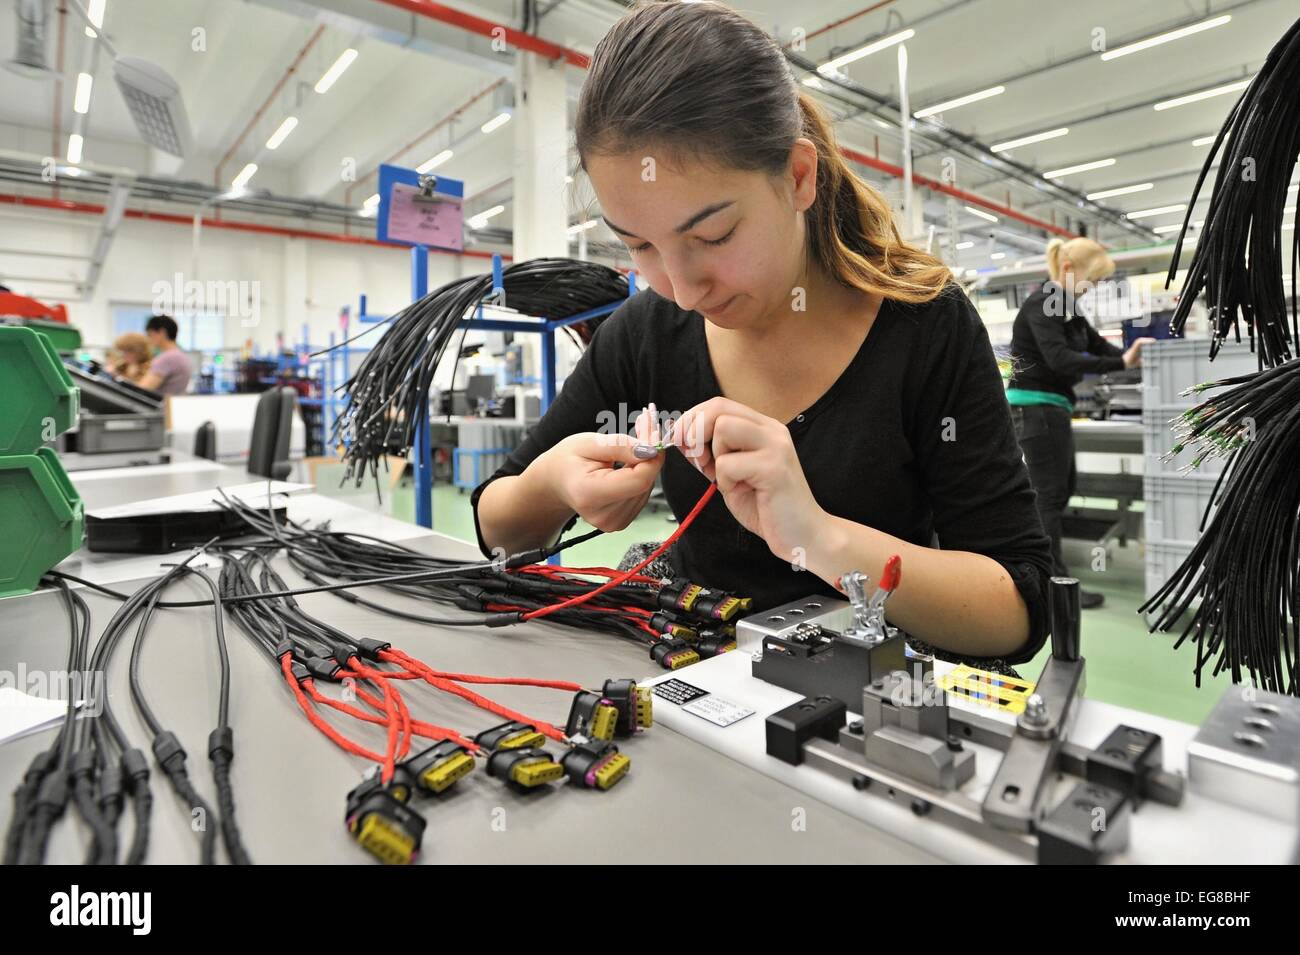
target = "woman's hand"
x: 581, y: 472
x: 753, y: 461
x: 1133, y: 357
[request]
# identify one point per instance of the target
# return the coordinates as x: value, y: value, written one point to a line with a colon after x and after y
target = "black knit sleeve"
x: 971, y: 463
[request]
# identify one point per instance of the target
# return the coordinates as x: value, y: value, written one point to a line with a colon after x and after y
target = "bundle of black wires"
x: 388, y: 395
x: 1236, y: 595
x: 93, y: 763
x: 320, y: 555
x: 1238, y: 260
x: 66, y: 771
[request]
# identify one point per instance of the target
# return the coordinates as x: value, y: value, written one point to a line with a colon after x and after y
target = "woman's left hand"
x: 753, y: 460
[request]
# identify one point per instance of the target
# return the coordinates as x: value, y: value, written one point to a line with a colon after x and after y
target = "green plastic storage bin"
x: 41, y: 519
x: 37, y: 397
x: 64, y: 337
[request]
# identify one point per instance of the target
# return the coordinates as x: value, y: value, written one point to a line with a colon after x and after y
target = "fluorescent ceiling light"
x: 480, y: 220
x: 1157, y: 211
x: 1203, y: 140
x: 964, y: 245
x: 1166, y: 229
x: 959, y: 101
x: 372, y: 202
x: 496, y: 122
x: 583, y: 226
x: 81, y: 99
x: 282, y: 133
x: 95, y: 14
x: 998, y: 255
x: 1026, y: 140
x: 75, y: 142
x: 1160, y: 38
x: 331, y: 75
x: 1202, y: 94
x: 971, y: 273
x: 875, y: 46
x: 1121, y: 191
x: 813, y: 81
x: 245, y: 174
x: 982, y: 214
x: 435, y: 162
x: 1081, y: 167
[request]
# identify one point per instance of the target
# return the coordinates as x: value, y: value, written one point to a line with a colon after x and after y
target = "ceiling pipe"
x: 897, y: 171
x: 486, y: 28
x: 449, y: 118
x: 261, y: 111
x: 89, y: 208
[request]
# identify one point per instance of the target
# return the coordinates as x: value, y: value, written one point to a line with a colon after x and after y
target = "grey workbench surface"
x: 681, y: 802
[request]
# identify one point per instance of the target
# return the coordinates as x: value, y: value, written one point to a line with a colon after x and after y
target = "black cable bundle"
x: 1237, y: 589
x: 389, y: 391
x: 1238, y: 258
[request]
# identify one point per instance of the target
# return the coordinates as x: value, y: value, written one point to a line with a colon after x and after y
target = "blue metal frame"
x: 476, y: 455
x: 422, y: 451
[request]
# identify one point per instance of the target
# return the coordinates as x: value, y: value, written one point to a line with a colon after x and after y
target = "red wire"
x: 418, y: 727
x: 402, y: 660
x: 314, y: 718
x: 554, y: 570
x: 615, y: 581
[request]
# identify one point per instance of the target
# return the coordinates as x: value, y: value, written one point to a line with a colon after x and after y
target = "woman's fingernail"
x: 644, y: 452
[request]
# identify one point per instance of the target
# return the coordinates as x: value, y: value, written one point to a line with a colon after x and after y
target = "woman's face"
x: 726, y: 243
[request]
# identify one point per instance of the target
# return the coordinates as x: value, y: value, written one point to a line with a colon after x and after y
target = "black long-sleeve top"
x: 914, y: 439
x: 1050, y: 352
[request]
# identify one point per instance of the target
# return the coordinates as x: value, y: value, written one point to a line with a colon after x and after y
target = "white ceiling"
x: 411, y: 73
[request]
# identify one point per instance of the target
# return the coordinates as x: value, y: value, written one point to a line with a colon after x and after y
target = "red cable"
x: 314, y: 718
x: 401, y: 659
x: 553, y: 570
x: 614, y: 582
x: 418, y: 727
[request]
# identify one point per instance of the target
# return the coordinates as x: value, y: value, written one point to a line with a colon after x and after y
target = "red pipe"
x: 843, y: 20
x: 293, y: 68
x: 67, y: 205
x: 453, y: 115
x: 962, y: 194
x: 473, y: 24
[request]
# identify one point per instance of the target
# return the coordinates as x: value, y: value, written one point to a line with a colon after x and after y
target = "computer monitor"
x: 480, y: 388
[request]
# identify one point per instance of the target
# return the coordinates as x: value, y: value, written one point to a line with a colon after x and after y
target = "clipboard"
x: 417, y: 209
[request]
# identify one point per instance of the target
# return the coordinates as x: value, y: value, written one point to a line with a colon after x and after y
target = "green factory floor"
x: 1126, y: 665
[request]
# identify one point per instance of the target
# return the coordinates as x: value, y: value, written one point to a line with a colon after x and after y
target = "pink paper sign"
x: 437, y: 221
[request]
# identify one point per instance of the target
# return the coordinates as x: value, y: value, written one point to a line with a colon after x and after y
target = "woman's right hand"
x: 580, y: 470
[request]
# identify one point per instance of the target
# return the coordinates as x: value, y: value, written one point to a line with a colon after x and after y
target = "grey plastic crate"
x: 1158, y: 438
x: 1175, y: 504
x: 1170, y: 366
x: 102, y: 434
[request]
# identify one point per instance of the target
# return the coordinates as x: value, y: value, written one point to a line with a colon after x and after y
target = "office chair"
x: 268, y: 449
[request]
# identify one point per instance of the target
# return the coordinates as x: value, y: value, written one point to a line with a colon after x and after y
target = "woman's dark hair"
x: 698, y: 80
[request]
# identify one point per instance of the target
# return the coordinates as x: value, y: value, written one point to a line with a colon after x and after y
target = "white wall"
x: 293, y: 281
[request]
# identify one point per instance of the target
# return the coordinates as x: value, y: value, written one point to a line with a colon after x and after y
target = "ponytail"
x: 851, y: 229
